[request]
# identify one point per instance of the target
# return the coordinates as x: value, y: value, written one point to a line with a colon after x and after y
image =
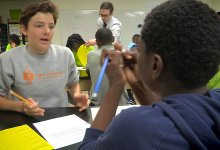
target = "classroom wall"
x: 6, y: 5
x: 142, y: 5
x: 216, y: 5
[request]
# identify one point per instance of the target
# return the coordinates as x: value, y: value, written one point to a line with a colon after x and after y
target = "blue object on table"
x: 99, y: 81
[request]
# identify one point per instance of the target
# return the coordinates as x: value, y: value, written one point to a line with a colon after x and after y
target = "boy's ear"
x: 13, y: 45
x: 23, y: 30
x: 158, y: 66
x: 98, y: 43
x: 113, y: 38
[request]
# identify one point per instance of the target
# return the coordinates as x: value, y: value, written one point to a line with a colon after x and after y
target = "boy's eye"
x: 39, y: 25
x: 52, y: 27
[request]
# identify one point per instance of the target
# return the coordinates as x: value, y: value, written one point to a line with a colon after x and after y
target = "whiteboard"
x: 84, y: 22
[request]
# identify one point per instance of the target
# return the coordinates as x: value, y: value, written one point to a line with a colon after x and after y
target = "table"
x: 9, y: 119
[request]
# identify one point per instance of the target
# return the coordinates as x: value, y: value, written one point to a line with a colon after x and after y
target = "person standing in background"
x: 107, y: 20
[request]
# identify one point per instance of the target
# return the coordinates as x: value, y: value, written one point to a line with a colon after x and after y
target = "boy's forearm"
x: 6, y: 104
x: 108, y: 107
x: 74, y: 90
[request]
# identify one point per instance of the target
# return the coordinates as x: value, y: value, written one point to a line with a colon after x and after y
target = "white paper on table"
x: 95, y: 110
x: 63, y: 131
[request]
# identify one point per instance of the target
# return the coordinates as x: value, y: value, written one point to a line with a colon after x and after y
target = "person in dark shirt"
x: 177, y: 55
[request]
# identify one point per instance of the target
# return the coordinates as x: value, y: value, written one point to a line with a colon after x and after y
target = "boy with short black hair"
x: 104, y: 40
x: 177, y: 55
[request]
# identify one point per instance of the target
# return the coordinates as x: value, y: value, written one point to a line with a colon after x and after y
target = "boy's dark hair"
x: 186, y: 34
x: 31, y: 10
x: 104, y: 37
x: 15, y: 39
x: 74, y: 39
x: 107, y: 5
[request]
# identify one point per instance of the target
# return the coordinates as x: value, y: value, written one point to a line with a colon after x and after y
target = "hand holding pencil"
x: 20, y: 97
x: 30, y: 107
x: 115, y: 66
x: 105, y: 53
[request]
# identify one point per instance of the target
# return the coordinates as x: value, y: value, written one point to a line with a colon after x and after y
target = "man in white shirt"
x: 107, y: 20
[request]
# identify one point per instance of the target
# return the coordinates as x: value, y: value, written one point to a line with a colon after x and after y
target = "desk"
x: 11, y: 119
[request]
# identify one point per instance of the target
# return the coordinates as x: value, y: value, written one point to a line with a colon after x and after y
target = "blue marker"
x: 99, y: 81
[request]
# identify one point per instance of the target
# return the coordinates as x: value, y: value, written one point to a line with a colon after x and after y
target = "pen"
x: 99, y: 81
x: 20, y: 97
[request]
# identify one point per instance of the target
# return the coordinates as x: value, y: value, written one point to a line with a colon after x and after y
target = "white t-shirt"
x: 114, y: 25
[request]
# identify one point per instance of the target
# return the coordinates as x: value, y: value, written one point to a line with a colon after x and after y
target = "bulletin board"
x: 14, y: 29
x: 84, y: 22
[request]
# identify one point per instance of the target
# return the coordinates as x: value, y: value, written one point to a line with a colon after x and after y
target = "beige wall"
x: 6, y: 5
x: 143, y: 5
x: 216, y: 5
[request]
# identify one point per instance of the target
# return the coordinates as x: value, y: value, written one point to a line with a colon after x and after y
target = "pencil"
x: 20, y: 97
x: 101, y: 75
